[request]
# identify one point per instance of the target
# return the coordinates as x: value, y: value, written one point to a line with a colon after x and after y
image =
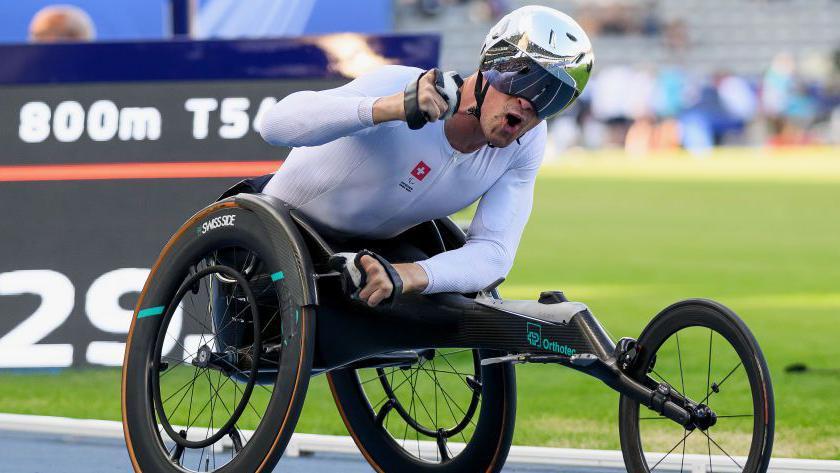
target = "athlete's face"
x: 504, y: 118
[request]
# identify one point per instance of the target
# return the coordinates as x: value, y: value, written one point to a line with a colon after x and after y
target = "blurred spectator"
x: 737, y: 97
x: 671, y: 94
x: 620, y: 94
x: 778, y: 85
x: 619, y: 18
x: 61, y: 23
x: 789, y: 105
x: 676, y: 36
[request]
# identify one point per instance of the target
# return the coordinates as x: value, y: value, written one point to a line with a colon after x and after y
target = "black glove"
x: 354, y: 278
x: 448, y: 85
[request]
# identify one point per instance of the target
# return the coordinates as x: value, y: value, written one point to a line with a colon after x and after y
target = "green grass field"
x: 759, y: 232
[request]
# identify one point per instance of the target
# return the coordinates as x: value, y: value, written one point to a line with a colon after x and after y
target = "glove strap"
x: 392, y: 273
x: 415, y: 118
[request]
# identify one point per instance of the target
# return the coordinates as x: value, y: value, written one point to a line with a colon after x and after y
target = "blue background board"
x: 114, y: 19
x: 366, y: 16
x: 197, y: 60
x: 119, y: 20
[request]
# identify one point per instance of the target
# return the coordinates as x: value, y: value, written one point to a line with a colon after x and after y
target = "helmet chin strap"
x: 480, y: 92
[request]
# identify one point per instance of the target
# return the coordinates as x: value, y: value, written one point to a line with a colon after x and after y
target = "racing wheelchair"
x: 241, y: 308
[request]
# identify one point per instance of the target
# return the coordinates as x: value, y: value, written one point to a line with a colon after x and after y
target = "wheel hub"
x: 207, y: 358
x: 703, y: 417
x: 202, y: 358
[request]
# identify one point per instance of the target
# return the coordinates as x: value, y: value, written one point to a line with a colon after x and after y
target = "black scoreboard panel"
x: 141, y: 122
x: 102, y: 160
x: 75, y: 256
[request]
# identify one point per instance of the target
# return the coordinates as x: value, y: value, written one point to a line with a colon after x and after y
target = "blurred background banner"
x: 106, y: 148
x: 151, y: 19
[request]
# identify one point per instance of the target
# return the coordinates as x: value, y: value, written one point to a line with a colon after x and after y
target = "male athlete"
x: 363, y: 164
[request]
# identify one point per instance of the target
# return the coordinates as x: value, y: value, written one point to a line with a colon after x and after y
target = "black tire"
x: 487, y: 430
x: 701, y: 348
x: 189, y: 254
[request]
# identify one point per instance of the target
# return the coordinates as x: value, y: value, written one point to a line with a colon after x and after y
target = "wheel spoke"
x: 186, y: 352
x: 169, y: 369
x: 682, y: 377
x: 447, y: 395
x: 189, y: 410
x: 420, y: 399
x: 249, y: 400
x: 721, y: 449
x: 175, y: 409
x: 236, y: 368
x: 192, y: 316
x: 672, y: 449
x: 270, y: 319
x: 393, y: 389
x: 188, y: 383
x: 212, y: 411
x: 709, y: 370
x: 456, y: 373
x: 414, y: 415
x: 434, y: 373
x: 378, y: 376
x: 463, y: 376
x: 721, y: 383
x: 709, y: 447
x: 405, y: 431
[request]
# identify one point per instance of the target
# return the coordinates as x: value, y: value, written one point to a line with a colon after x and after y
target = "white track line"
x: 313, y: 443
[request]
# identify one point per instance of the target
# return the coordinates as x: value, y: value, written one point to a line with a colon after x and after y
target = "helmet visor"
x: 549, y: 90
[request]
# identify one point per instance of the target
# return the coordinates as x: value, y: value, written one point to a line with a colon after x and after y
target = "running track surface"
x: 23, y: 452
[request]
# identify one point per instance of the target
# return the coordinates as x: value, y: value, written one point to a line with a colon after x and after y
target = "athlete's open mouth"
x: 513, y: 120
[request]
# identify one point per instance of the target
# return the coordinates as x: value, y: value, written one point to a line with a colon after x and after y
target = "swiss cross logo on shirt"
x: 420, y: 171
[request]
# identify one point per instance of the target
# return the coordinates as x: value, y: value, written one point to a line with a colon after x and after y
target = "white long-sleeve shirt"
x: 353, y: 178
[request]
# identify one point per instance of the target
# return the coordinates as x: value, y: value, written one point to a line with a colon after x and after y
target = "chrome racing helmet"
x: 536, y: 53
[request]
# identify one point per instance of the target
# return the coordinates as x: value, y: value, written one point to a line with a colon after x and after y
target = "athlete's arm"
x: 312, y: 118
x: 492, y: 239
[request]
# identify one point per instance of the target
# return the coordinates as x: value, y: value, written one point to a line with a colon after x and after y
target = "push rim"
x: 205, y: 359
x: 193, y: 431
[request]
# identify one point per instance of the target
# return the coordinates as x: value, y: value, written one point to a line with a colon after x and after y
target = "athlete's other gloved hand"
x: 355, y: 277
x: 435, y: 95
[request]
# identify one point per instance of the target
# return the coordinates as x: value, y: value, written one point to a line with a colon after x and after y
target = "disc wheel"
x: 219, y: 354
x: 443, y: 413
x: 705, y: 353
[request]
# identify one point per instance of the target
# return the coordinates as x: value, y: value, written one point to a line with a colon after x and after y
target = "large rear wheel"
x: 219, y: 354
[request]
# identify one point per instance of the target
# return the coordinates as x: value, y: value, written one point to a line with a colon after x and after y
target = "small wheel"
x: 218, y: 357
x: 704, y: 352
x: 442, y: 413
